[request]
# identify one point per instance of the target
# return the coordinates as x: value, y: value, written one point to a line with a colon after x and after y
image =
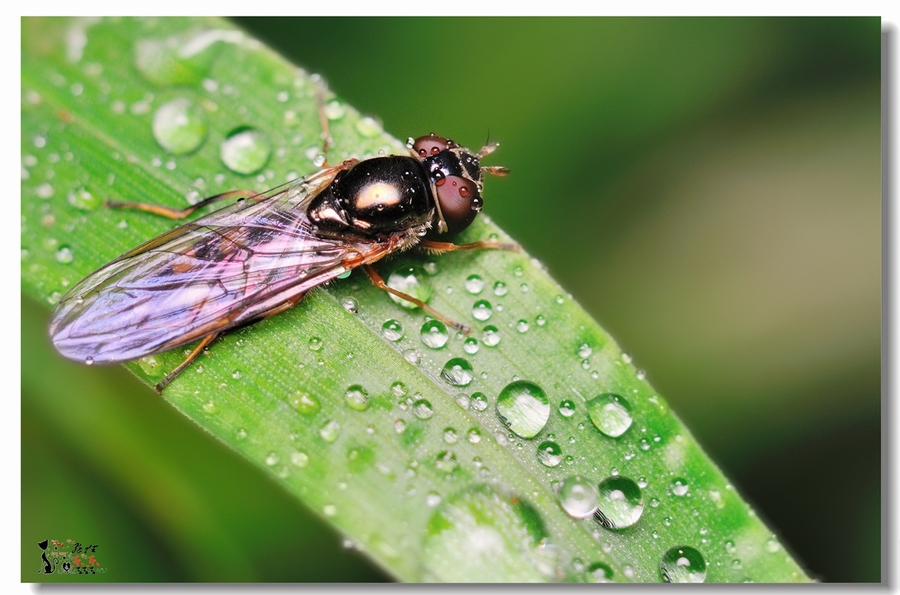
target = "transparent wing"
x: 217, y: 272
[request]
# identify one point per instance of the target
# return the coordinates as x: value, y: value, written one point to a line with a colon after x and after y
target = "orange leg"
x: 379, y: 282
x: 485, y: 244
x: 172, y: 212
x: 190, y: 358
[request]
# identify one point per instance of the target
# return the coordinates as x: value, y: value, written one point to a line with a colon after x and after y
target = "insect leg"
x: 485, y: 244
x: 193, y: 355
x: 172, y: 212
x: 379, y: 282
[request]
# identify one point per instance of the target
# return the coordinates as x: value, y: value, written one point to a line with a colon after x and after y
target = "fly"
x: 260, y: 255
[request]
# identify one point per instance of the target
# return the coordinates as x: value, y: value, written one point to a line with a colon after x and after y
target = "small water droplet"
x: 566, y: 408
x: 683, y: 564
x: 209, y: 406
x: 299, y: 459
x: 315, y: 344
x: 473, y: 436
x: 450, y: 435
x: 245, y: 151
x: 479, y: 401
x: 64, y: 255
x: 458, y: 372
x: 350, y: 305
x: 540, y: 320
x: 490, y: 336
x: 610, y: 414
x: 500, y: 289
x: 585, y: 351
x: 411, y: 279
x: 356, y: 398
x: 412, y: 356
x: 524, y: 408
x: 578, y: 497
x: 179, y: 126
x: 446, y: 461
x: 368, y: 127
x: 334, y: 110
x: 271, y: 459
x: 481, y: 310
x: 679, y: 487
x: 522, y: 326
x: 304, y: 403
x: 392, y: 330
x: 398, y: 389
x: 621, y: 503
x: 423, y: 409
x: 432, y: 499
x: 474, y: 284
x: 549, y: 453
x: 598, y: 572
x: 470, y: 345
x: 330, y: 431
x: 81, y: 198
x: 434, y: 334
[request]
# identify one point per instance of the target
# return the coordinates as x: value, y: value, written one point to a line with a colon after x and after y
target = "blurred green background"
x: 709, y: 189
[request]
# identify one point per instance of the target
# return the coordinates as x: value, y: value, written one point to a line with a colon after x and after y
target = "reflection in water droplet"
x: 412, y: 280
x: 434, y: 334
x: 610, y: 413
x: 179, y: 126
x: 481, y: 310
x: 549, y: 453
x: 245, y: 151
x: 524, y: 408
x: 458, y: 372
x: 683, y: 564
x: 422, y: 409
x: 621, y: 503
x: 356, y: 398
x: 392, y: 330
x: 578, y: 497
x: 474, y: 284
x: 481, y: 535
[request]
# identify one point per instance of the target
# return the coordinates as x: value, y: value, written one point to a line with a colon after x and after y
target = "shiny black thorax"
x: 377, y: 196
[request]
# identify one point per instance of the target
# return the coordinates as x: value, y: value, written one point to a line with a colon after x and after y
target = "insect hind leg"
x: 162, y: 384
x: 174, y: 213
x: 378, y: 281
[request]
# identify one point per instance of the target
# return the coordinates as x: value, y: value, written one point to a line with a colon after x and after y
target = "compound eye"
x: 426, y: 146
x: 459, y: 201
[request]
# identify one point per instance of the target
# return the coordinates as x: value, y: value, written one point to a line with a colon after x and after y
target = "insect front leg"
x: 439, y: 247
x: 173, y: 213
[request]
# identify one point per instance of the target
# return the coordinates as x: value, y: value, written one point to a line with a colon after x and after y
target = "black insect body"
x: 262, y: 254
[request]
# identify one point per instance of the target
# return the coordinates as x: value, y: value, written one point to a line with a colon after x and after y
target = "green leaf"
x: 470, y: 459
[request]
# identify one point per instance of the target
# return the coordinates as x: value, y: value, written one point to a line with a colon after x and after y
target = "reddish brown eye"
x: 430, y: 145
x: 459, y: 203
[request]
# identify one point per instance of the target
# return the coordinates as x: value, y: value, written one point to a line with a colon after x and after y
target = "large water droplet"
x: 578, y: 497
x: 610, y: 414
x: 458, y: 372
x: 392, y: 330
x: 356, y: 398
x: 434, y: 334
x: 481, y: 535
x: 549, y: 453
x: 621, y: 503
x: 683, y: 564
x: 245, y: 150
x: 411, y: 279
x: 179, y: 126
x: 481, y: 310
x: 524, y: 408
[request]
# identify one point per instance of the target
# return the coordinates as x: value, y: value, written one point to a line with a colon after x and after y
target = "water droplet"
x: 81, y: 198
x: 64, y: 255
x: 434, y: 334
x: 304, y: 403
x: 412, y: 356
x: 522, y: 326
x: 524, y: 408
x: 446, y: 461
x: 500, y: 289
x: 610, y: 414
x: 411, y: 279
x: 271, y: 459
x: 368, y: 127
x: 209, y: 406
x: 473, y: 436
x: 549, y: 453
x: 540, y: 320
x: 474, y: 284
x: 392, y: 330
x: 679, y: 487
x: 566, y: 408
x: 479, y: 401
x: 585, y: 351
x: 88, y: 361
x: 334, y: 110
x: 350, y: 305
x: 330, y: 431
x: 245, y: 151
x: 481, y: 310
x: 432, y: 499
x: 398, y: 389
x: 578, y: 497
x: 299, y: 459
x: 356, y: 398
x: 423, y: 409
x: 683, y: 564
x: 315, y: 344
x: 179, y: 126
x: 598, y: 572
x: 182, y: 59
x: 479, y: 534
x: 621, y: 503
x: 470, y: 345
x: 490, y: 336
x: 458, y: 372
